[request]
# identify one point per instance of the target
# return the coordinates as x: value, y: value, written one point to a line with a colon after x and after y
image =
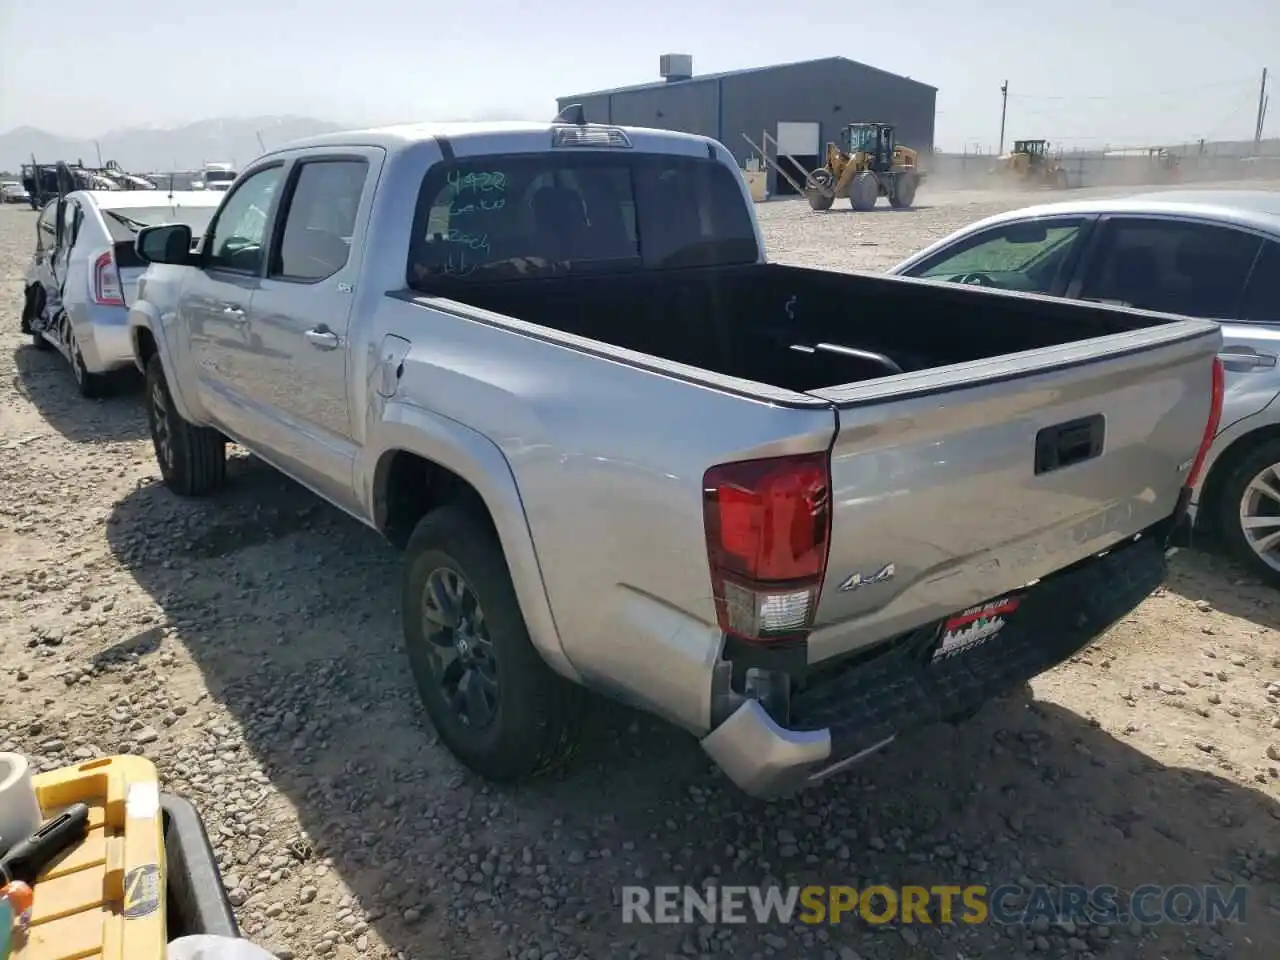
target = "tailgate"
x: 941, y: 498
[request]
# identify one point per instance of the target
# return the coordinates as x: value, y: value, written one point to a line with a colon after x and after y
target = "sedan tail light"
x: 107, y: 290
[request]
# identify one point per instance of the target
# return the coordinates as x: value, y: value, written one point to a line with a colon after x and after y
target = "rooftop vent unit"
x: 675, y: 66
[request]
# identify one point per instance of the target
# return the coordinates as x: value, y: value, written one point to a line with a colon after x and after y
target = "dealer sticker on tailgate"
x: 975, y: 624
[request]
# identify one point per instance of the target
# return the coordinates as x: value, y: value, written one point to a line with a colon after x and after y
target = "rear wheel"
x: 493, y: 700
x: 904, y: 191
x: 193, y: 460
x: 90, y: 385
x: 1248, y: 511
x: 864, y: 191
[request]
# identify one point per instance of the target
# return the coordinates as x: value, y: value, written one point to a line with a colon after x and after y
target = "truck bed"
x: 1010, y: 436
x: 792, y: 327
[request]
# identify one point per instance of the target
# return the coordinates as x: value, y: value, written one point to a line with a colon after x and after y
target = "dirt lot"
x: 250, y: 646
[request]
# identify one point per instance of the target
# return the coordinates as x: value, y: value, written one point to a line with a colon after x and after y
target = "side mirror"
x: 167, y: 243
x: 1027, y: 233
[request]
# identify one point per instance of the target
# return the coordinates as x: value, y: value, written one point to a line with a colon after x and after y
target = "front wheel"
x: 193, y: 460
x: 1248, y: 511
x: 493, y: 700
x: 864, y: 191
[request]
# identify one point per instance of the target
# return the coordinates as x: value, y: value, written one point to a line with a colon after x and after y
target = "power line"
x: 1139, y: 95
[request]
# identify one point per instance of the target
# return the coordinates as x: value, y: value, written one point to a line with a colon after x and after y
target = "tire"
x: 531, y: 717
x: 819, y: 201
x: 91, y: 385
x: 864, y: 191
x: 192, y: 460
x: 1235, y: 499
x: 30, y: 310
x: 819, y: 189
x: 904, y: 191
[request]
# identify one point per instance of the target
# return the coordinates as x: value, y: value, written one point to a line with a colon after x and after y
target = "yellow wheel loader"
x: 866, y: 165
x: 1030, y: 164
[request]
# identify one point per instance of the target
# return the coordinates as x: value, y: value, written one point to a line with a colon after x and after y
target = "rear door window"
x: 320, y: 220
x: 1175, y: 266
x: 550, y: 214
x: 1262, y: 295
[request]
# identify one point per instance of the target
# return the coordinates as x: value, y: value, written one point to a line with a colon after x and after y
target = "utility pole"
x: 1004, y: 107
x: 1262, y: 111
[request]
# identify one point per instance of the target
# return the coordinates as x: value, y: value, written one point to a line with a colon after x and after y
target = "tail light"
x: 106, y: 281
x: 768, y: 528
x: 1214, y: 421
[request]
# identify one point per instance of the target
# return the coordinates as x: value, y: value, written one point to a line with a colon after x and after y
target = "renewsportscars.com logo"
x: 1008, y: 904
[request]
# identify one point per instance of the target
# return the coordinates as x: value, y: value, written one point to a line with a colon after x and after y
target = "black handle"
x: 29, y: 858
x: 1069, y: 443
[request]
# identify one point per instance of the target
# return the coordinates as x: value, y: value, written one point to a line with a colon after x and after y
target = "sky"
x: 1082, y: 72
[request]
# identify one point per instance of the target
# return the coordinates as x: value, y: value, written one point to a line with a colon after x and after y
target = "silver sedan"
x: 84, y: 273
x: 1204, y: 253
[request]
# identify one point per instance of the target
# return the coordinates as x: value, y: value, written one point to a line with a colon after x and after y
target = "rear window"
x: 551, y: 214
x: 123, y: 224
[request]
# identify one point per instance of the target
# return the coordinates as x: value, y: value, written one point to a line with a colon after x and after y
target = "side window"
x: 240, y: 232
x: 46, y: 229
x: 72, y: 216
x: 320, y: 220
x: 1262, y: 297
x: 1195, y: 269
x: 1027, y: 256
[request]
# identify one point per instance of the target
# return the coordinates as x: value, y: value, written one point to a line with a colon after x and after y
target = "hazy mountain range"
x: 144, y: 149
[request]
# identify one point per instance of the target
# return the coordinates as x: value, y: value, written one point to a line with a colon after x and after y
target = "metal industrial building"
x: 800, y: 105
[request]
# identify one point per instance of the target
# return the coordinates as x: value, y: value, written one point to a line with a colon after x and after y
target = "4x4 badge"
x: 856, y: 580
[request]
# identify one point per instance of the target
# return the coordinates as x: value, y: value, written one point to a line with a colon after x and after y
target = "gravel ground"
x: 250, y: 646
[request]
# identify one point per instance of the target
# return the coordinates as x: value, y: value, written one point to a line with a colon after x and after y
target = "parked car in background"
x: 1210, y: 254
x: 215, y: 177
x: 792, y: 510
x: 14, y: 193
x: 84, y: 273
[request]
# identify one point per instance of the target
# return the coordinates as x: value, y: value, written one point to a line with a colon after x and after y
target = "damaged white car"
x: 84, y: 274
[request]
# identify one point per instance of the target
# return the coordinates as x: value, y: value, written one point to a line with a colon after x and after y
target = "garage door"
x: 797, y: 139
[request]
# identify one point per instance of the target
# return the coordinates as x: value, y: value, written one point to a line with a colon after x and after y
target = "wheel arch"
x: 1222, y: 467
x: 424, y: 461
x: 148, y: 340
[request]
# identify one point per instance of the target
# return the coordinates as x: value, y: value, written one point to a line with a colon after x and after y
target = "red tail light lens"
x: 1211, y: 426
x: 768, y: 528
x: 106, y: 281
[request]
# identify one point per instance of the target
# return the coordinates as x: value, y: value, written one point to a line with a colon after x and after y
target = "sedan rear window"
x: 123, y: 224
x: 549, y: 214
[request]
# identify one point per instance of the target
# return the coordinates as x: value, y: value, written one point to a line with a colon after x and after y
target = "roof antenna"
x: 573, y: 113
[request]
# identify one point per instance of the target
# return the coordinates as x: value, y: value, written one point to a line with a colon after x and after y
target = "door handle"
x: 1246, y: 358
x: 322, y: 339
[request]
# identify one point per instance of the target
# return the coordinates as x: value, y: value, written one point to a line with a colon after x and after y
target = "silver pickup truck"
x: 796, y: 512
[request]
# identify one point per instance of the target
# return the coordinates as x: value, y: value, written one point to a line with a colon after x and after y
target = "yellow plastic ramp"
x: 104, y: 899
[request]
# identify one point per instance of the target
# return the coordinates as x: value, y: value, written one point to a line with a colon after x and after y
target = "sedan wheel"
x: 1260, y: 515
x: 1248, y: 510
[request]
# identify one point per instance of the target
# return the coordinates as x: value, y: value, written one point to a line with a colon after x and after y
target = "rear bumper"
x: 104, y: 337
x: 856, y: 708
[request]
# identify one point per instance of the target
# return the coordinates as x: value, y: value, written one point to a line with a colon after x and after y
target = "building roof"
x: 703, y: 77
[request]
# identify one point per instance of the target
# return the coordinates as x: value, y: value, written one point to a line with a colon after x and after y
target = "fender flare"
x: 142, y: 316
x: 478, y: 461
